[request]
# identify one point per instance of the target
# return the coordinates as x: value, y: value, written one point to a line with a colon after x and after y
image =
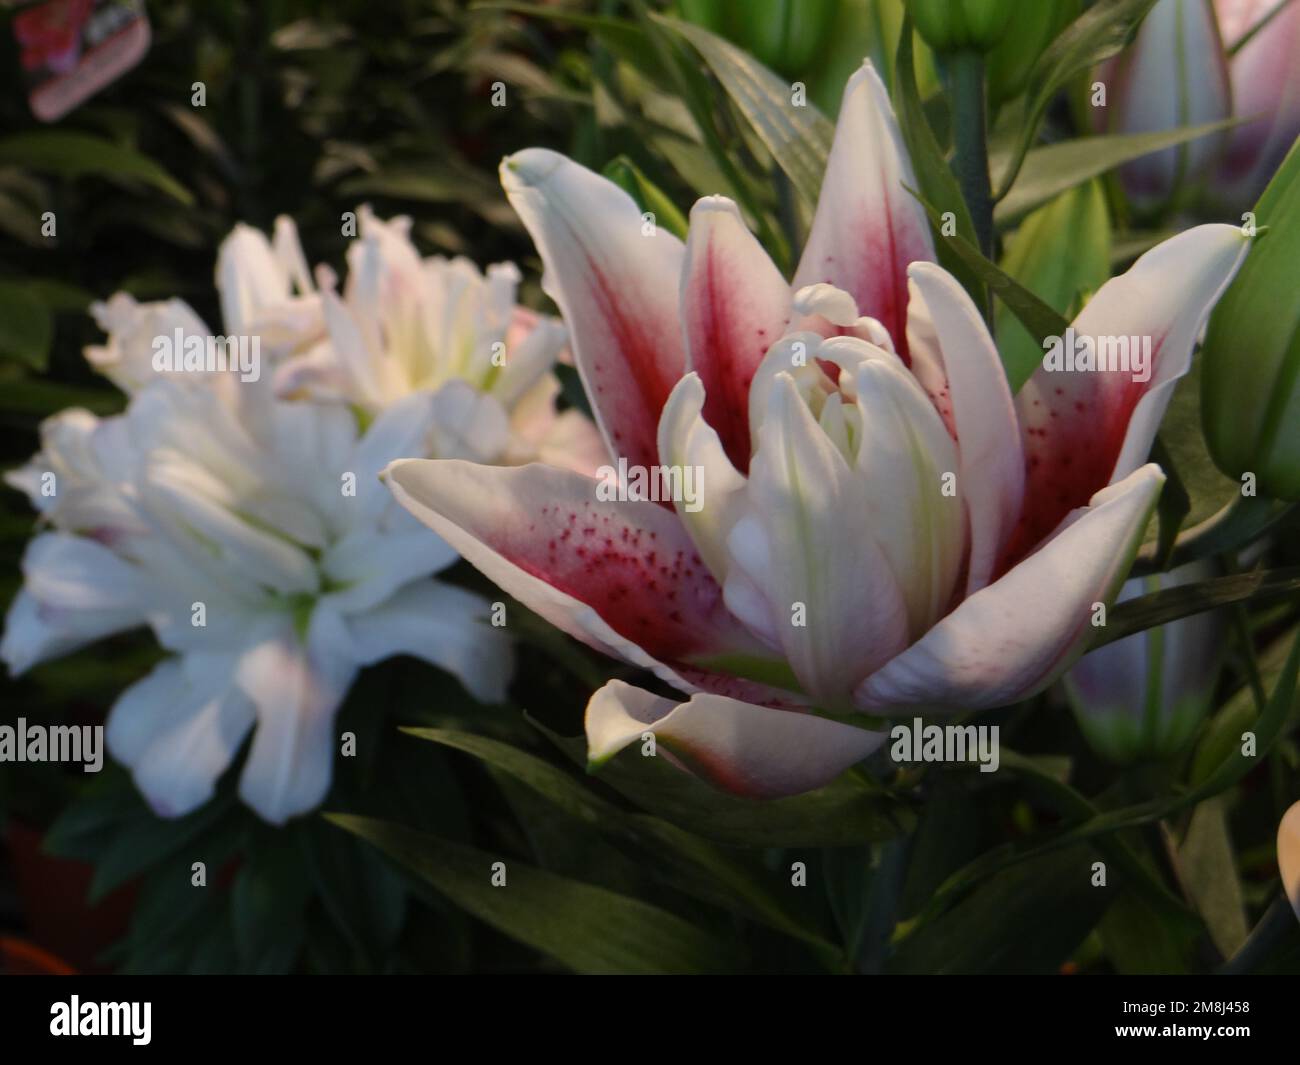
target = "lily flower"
x: 251, y: 534
x: 884, y: 527
x: 403, y: 324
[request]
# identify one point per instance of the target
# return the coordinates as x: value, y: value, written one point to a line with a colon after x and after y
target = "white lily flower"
x: 252, y: 534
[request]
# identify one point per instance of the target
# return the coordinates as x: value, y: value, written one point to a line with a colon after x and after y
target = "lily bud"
x: 1265, y: 89
x: 961, y: 25
x: 1143, y: 696
x: 1288, y: 855
x: 1173, y: 74
x: 1250, y: 382
x: 1032, y: 30
x: 787, y: 36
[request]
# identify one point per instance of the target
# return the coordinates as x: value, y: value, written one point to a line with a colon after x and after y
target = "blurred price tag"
x: 70, y: 49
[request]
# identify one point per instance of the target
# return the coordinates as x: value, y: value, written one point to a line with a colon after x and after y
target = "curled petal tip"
x: 529, y: 167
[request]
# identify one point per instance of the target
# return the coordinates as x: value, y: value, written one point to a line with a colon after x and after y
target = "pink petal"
x: 735, y: 305
x: 749, y: 750
x: 1085, y: 429
x: 992, y: 472
x: 868, y: 228
x: 1017, y: 635
x: 616, y: 285
x: 623, y: 577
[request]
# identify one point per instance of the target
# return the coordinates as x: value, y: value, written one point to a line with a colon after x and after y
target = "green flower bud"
x: 1250, y: 376
x: 961, y: 25
x: 1035, y: 26
x: 787, y: 36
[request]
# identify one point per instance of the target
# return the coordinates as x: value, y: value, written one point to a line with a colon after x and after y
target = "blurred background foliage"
x: 315, y: 107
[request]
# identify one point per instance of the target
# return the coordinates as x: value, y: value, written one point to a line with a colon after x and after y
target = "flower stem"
x: 970, y: 135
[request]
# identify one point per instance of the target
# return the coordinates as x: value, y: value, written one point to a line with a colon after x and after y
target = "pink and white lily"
x: 884, y: 526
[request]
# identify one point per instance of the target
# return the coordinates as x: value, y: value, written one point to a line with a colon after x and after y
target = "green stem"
x: 970, y: 136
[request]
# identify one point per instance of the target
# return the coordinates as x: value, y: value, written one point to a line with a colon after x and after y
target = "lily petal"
x: 77, y: 591
x: 687, y: 440
x: 836, y: 606
x: 624, y: 577
x: 445, y: 626
x: 1083, y: 429
x: 178, y: 729
x: 1012, y: 638
x: 615, y: 281
x: 748, y: 750
x: 992, y: 471
x: 296, y: 691
x: 868, y: 228
x: 735, y: 305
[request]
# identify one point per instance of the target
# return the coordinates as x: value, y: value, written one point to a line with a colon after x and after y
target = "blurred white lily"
x: 403, y: 324
x: 252, y: 535
x: 257, y: 543
x: 883, y: 526
x: 1143, y: 696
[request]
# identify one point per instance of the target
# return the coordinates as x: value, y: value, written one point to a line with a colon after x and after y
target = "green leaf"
x: 799, y: 138
x: 731, y: 883
x: 1243, y: 521
x: 1060, y: 252
x: 147, y: 840
x: 848, y: 810
x: 1139, y: 939
x: 938, y: 185
x: 1170, y: 604
x: 1027, y: 919
x: 363, y: 895
x: 1208, y: 491
x: 1209, y: 872
x: 1223, y: 735
x: 622, y: 37
x: 268, y: 901
x: 1054, y: 168
x: 77, y: 154
x: 1097, y: 34
x: 25, y: 326
x: 586, y: 928
x: 1039, y: 319
x: 648, y: 196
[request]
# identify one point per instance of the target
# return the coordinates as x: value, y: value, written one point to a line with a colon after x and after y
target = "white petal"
x: 178, y: 729
x: 445, y: 626
x: 297, y: 691
x: 746, y: 749
x: 1015, y: 636
x: 826, y: 574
